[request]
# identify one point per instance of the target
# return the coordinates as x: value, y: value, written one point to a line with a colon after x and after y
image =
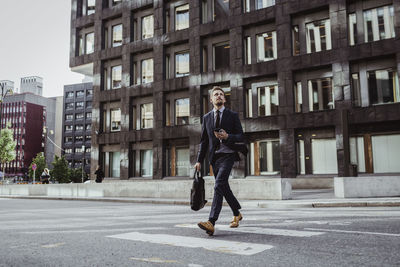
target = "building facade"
x: 315, y: 83
x: 77, y: 125
x: 32, y: 84
x: 32, y: 118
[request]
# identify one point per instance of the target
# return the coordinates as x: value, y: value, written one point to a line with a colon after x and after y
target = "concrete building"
x: 7, y: 85
x: 315, y: 83
x: 33, y: 119
x: 77, y: 124
x: 32, y: 84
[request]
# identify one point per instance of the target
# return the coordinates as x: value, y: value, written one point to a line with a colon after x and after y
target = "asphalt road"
x: 83, y: 233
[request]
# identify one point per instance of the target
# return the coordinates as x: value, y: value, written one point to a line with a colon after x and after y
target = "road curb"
x: 246, y: 204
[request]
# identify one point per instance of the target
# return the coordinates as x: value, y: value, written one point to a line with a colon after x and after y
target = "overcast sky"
x: 34, y: 41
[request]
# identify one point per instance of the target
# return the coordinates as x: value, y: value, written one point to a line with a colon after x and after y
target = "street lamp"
x: 83, y: 160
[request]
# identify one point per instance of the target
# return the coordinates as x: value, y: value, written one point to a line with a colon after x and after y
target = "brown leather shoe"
x: 235, y: 221
x: 207, y: 226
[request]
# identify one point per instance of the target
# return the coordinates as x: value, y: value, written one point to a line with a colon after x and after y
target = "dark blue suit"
x: 222, y: 163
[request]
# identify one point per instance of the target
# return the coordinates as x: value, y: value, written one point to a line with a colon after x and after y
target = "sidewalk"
x: 313, y: 198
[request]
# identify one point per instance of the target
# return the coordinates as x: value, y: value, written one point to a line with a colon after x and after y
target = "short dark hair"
x: 217, y: 88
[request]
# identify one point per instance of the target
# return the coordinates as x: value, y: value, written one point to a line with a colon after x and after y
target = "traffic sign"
x: 34, y: 166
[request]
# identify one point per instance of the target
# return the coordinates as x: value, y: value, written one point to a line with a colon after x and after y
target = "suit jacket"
x: 231, y: 124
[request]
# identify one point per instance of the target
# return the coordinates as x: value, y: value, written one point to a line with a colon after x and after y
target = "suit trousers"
x: 222, y: 167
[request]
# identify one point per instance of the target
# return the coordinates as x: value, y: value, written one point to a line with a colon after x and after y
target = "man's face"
x: 218, y: 98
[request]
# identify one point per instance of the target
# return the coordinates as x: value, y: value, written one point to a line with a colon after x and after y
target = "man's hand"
x: 221, y: 134
x: 197, y: 166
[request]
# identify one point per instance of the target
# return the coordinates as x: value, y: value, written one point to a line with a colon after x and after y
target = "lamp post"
x: 83, y: 159
x: 46, y: 131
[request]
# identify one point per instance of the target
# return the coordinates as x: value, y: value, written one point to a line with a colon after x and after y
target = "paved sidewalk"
x: 317, y: 198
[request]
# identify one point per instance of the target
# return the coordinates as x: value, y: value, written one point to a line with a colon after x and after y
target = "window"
x: 79, y: 127
x: 182, y: 64
x: 88, y: 127
x: 182, y: 111
x: 353, y: 29
x: 69, y: 95
x: 147, y: 27
x: 146, y: 163
x: 79, y: 138
x: 88, y: 150
x: 266, y: 46
x: 68, y: 151
x: 68, y: 128
x: 68, y: 139
x: 89, y: 7
x: 88, y: 115
x: 182, y: 17
x: 114, y: 163
x: 383, y: 86
x: 379, y: 24
x: 296, y: 40
x: 178, y: 161
x: 146, y: 116
x: 264, y: 3
x: 69, y: 106
x: 220, y: 9
x: 69, y: 117
x: 147, y: 70
x: 117, y: 35
x: 268, y: 100
x: 320, y: 94
x: 264, y: 157
x: 298, y: 97
x: 85, y: 40
x: 88, y: 104
x: 89, y: 92
x: 88, y: 137
x: 80, y: 93
x: 115, y: 120
x: 79, y: 116
x: 247, y: 49
x: 355, y: 83
x: 116, y: 77
x: 318, y: 35
x: 89, y: 43
x: 116, y: 2
x: 79, y: 104
x: 221, y: 56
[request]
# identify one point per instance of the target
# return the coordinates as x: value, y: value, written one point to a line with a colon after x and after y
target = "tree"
x: 40, y: 162
x: 7, y: 146
x: 76, y: 175
x: 60, y: 171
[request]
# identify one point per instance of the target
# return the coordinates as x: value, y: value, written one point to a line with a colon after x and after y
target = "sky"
x: 35, y: 41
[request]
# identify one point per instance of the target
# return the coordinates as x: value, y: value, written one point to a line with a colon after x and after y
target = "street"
x: 90, y: 233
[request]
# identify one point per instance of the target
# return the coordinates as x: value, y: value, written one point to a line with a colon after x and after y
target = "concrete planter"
x: 371, y: 186
x: 256, y: 189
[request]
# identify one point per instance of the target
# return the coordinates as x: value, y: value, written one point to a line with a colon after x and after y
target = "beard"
x: 219, y: 104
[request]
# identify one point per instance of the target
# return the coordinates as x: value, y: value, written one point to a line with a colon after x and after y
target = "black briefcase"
x: 197, y: 193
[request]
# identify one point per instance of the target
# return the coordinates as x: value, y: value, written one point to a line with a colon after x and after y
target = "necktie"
x: 217, y: 120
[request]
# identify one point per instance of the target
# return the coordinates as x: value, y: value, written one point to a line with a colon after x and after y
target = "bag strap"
x: 197, y: 175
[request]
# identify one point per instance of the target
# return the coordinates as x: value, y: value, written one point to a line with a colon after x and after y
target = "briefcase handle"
x: 197, y: 175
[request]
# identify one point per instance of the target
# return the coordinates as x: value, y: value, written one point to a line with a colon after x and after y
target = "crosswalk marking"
x: 260, y: 230
x: 212, y: 244
x: 354, y: 232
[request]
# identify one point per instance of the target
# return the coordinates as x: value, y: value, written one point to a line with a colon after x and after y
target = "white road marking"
x: 53, y: 245
x: 260, y: 230
x: 352, y: 232
x: 154, y: 260
x: 215, y: 245
x: 95, y: 230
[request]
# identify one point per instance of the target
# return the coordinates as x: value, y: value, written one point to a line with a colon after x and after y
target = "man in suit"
x: 221, y: 133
